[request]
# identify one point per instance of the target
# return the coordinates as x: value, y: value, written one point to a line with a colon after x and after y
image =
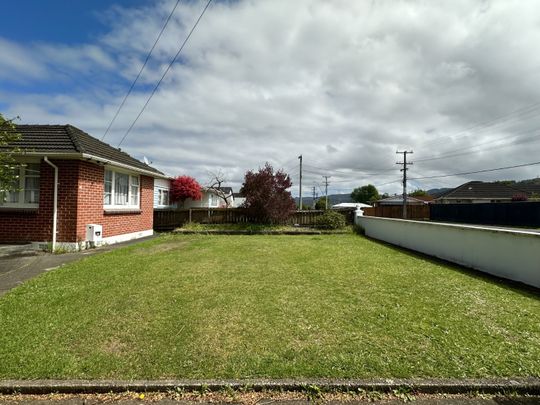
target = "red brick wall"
x: 80, y: 202
x: 91, y: 211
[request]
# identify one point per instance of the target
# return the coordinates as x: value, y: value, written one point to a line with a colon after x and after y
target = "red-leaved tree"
x: 184, y: 187
x: 267, y: 198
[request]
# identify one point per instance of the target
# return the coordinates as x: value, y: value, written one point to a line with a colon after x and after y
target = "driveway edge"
x: 522, y: 386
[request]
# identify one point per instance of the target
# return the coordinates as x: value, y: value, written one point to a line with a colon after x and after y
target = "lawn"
x: 197, y: 306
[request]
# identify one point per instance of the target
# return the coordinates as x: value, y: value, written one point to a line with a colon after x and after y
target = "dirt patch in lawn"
x: 114, y: 347
x: 162, y: 248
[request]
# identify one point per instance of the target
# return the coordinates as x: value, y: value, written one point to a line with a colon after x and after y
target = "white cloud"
x: 343, y: 83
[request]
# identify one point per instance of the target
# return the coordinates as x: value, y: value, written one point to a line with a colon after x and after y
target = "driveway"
x: 19, y: 263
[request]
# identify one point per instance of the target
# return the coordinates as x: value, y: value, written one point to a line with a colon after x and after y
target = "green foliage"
x: 418, y: 193
x: 365, y: 194
x: 321, y: 204
x: 314, y: 393
x: 330, y: 220
x: 8, y: 164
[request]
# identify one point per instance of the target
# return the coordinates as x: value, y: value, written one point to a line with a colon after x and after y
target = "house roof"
x: 238, y: 195
x: 69, y: 140
x: 530, y: 189
x: 226, y: 190
x: 482, y: 190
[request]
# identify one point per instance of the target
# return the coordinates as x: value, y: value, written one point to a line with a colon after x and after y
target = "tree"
x: 8, y: 164
x: 267, y: 198
x: 365, y: 194
x: 321, y: 204
x: 184, y: 187
x: 419, y: 193
x: 216, y: 180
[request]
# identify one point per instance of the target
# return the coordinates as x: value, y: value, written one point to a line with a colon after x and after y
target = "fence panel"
x: 505, y: 214
x: 416, y: 212
x: 166, y: 220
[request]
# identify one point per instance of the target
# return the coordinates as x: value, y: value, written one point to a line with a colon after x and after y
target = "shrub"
x: 330, y: 220
x: 268, y: 200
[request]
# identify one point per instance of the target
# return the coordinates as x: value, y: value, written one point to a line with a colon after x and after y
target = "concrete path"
x: 18, y: 263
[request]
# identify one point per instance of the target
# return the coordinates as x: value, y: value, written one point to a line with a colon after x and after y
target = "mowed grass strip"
x: 194, y: 306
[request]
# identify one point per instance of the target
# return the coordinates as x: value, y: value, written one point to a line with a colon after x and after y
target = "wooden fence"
x: 166, y: 220
x: 417, y: 212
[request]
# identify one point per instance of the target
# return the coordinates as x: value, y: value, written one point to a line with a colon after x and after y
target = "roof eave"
x: 71, y: 155
x: 124, y: 166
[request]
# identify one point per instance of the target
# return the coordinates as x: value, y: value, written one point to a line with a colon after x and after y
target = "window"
x: 163, y: 196
x: 213, y: 200
x: 25, y: 187
x: 121, y: 190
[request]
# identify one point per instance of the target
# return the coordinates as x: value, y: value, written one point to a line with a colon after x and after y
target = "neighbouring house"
x: 162, y: 194
x: 532, y: 190
x: 211, y: 199
x: 68, y: 180
x: 475, y: 192
x: 238, y: 200
x: 398, y: 200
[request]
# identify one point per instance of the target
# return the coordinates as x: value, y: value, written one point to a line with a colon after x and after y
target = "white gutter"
x: 55, y: 202
x: 125, y: 166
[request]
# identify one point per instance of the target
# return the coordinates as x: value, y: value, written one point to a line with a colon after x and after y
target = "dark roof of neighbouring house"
x: 530, y: 189
x: 71, y: 140
x: 226, y: 190
x: 482, y: 190
x: 238, y: 195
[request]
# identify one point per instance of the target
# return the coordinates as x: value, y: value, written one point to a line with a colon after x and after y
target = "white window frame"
x: 122, y: 207
x: 211, y: 197
x: 21, y: 191
x: 161, y: 193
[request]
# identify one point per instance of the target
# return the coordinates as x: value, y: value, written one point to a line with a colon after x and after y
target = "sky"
x: 344, y: 84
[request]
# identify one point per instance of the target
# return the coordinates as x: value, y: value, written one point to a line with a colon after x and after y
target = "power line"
x: 352, y: 172
x: 166, y: 71
x: 490, y: 123
x: 453, y: 153
x: 477, y: 171
x: 141, y: 70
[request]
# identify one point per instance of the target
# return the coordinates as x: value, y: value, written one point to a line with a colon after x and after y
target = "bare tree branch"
x: 215, y: 184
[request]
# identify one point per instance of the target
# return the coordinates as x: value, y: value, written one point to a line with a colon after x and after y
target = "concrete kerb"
x: 518, y: 386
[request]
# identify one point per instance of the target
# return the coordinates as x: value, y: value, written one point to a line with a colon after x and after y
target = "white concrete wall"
x: 514, y: 255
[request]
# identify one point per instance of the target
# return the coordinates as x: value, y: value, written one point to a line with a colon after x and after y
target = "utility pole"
x: 326, y: 191
x: 313, y: 201
x: 404, y: 170
x: 300, y: 185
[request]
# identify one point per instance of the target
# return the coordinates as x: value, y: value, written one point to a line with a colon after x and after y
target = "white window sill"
x: 131, y: 209
x: 19, y: 206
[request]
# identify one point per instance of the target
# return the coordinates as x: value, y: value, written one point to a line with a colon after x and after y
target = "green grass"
x: 195, y: 306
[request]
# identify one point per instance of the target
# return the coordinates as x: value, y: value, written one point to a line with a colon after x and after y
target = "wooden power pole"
x: 300, y: 185
x: 404, y: 170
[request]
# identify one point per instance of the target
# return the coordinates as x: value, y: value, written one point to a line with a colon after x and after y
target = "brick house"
x: 96, y: 184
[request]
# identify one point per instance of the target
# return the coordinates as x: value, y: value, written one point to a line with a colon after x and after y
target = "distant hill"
x: 332, y: 199
x: 437, y: 192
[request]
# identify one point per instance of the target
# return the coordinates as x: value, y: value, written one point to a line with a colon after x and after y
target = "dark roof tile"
x: 482, y: 190
x: 69, y: 139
